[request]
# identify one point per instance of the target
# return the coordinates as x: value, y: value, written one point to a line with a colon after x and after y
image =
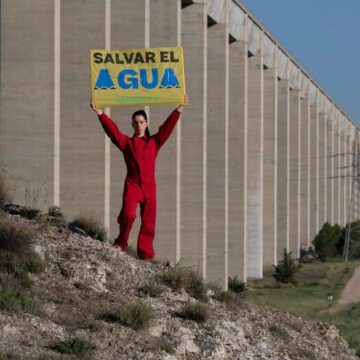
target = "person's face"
x: 139, y: 125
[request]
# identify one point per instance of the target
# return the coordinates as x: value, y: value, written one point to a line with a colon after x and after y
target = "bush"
x: 180, y: 277
x: 90, y: 226
x: 151, y: 289
x: 235, y: 285
x: 285, y: 271
x: 73, y: 346
x: 13, y: 300
x: 163, y: 344
x: 176, y: 277
x: 34, y: 265
x: 195, y: 312
x: 279, y: 331
x: 135, y: 316
x: 196, y: 287
x: 15, y: 237
x: 326, y: 241
x: 230, y: 299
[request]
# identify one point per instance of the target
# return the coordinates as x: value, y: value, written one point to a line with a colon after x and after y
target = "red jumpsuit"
x: 140, y: 185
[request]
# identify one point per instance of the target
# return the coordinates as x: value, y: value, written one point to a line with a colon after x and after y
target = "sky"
x: 324, y: 37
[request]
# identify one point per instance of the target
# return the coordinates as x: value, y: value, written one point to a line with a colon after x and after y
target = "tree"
x: 326, y: 241
x: 286, y: 269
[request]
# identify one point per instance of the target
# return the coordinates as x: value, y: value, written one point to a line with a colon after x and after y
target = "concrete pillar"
x: 336, y: 170
x: 283, y: 184
x: 217, y: 149
x: 270, y: 166
x: 255, y: 156
x: 305, y: 172
x: 27, y: 100
x: 129, y: 29
x: 237, y: 158
x: 314, y: 214
x: 342, y: 172
x: 193, y: 139
x: 82, y: 138
x: 294, y: 172
x: 330, y: 169
x: 321, y: 171
x: 165, y: 30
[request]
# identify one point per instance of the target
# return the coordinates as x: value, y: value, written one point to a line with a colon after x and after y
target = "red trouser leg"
x: 145, y: 246
x: 132, y: 196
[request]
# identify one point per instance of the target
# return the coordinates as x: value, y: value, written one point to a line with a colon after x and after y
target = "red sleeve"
x: 112, y: 131
x: 167, y: 128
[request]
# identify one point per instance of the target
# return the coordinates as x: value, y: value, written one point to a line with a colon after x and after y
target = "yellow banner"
x: 137, y: 76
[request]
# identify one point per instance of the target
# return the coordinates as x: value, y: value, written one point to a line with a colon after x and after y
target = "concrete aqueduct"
x: 259, y: 160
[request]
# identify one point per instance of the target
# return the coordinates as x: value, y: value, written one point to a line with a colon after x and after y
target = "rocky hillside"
x: 82, y: 296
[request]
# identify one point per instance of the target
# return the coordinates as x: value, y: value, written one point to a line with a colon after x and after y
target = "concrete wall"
x: 259, y: 161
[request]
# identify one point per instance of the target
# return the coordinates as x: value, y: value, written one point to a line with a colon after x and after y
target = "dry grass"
x: 90, y: 225
x: 16, y: 237
x: 4, y: 192
x: 180, y: 277
x: 196, y: 312
x: 136, y: 316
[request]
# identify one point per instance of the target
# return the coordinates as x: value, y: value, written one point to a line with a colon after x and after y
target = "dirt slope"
x: 85, y: 278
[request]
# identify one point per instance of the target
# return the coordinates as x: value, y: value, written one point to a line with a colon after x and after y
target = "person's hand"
x: 94, y: 108
x: 184, y: 103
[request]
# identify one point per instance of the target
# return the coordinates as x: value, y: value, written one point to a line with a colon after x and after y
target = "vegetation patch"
x: 235, y: 285
x: 286, y: 270
x: 135, y: 316
x: 74, y: 346
x: 90, y: 225
x: 180, y: 277
x: 196, y: 312
x: 163, y: 344
x: 347, y: 321
x: 230, y: 299
x: 176, y: 277
x: 196, y: 287
x: 326, y: 242
x: 278, y: 331
x: 16, y: 237
x: 150, y: 288
x: 14, y: 301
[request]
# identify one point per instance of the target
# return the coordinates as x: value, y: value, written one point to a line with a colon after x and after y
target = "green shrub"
x: 16, y: 237
x: 13, y: 300
x: 230, y: 299
x: 13, y: 274
x: 326, y: 241
x: 235, y: 285
x: 279, y: 332
x: 285, y: 271
x: 135, y: 316
x: 195, y: 312
x: 151, y: 289
x: 180, y: 277
x: 73, y: 346
x: 176, y: 277
x: 34, y: 265
x: 90, y: 225
x: 163, y: 344
x: 196, y: 287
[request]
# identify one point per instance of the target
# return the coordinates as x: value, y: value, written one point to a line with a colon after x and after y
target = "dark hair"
x: 142, y: 113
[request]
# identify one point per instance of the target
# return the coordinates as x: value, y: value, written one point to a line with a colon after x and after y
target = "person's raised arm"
x: 111, y: 129
x: 167, y: 127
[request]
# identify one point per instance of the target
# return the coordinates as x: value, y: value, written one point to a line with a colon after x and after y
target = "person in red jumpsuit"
x: 140, y: 152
